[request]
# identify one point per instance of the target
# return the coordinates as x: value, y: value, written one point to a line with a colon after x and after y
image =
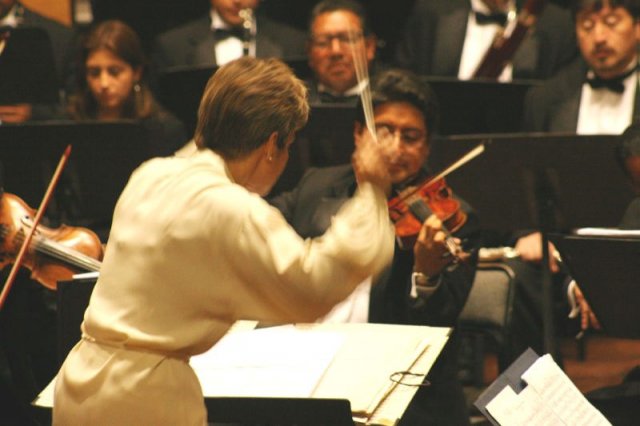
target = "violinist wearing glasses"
x: 425, y: 284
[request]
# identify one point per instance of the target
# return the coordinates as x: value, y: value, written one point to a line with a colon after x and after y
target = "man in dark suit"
x: 597, y: 93
x: 330, y: 50
x: 423, y: 285
x: 450, y: 37
x: 220, y: 37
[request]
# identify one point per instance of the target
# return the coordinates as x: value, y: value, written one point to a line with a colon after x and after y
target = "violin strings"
x: 362, y: 75
x: 62, y: 253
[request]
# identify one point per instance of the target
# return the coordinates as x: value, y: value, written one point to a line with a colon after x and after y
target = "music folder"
x: 534, y: 391
x: 607, y: 270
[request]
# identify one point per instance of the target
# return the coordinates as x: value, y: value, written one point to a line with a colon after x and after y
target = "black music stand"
x: 180, y: 88
x: 73, y: 298
x: 27, y: 68
x: 479, y: 106
x: 102, y: 158
x: 607, y: 271
x: 546, y: 182
x: 326, y: 140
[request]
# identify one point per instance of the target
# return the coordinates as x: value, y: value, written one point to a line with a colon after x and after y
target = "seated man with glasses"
x: 425, y: 284
x: 337, y: 29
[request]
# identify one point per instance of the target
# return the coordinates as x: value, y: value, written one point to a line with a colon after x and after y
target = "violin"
x: 53, y: 254
x: 415, y: 203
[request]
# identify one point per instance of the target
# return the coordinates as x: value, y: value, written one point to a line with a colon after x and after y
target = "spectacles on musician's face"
x: 345, y: 39
x: 386, y: 133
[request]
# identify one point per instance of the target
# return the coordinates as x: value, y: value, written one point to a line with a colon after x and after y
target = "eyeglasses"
x: 345, y: 39
x: 386, y: 134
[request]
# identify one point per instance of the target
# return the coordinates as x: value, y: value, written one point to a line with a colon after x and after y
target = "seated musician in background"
x: 193, y: 248
x: 423, y: 285
x: 112, y: 85
x: 218, y: 38
x: 330, y: 50
x: 42, y: 71
x: 619, y: 403
x: 450, y: 38
x: 597, y: 93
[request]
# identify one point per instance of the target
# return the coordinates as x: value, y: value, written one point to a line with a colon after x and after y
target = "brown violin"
x: 413, y: 205
x: 53, y: 254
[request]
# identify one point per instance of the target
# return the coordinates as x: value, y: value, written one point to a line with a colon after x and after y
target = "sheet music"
x: 278, y: 361
x: 549, y: 398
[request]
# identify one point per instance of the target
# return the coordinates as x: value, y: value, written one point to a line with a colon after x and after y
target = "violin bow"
x: 25, y: 243
x: 470, y: 155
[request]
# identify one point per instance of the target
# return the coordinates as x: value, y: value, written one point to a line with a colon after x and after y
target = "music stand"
x: 545, y: 182
x: 606, y: 270
x: 102, y: 158
x: 478, y: 106
x: 326, y: 140
x: 180, y: 88
x: 27, y: 67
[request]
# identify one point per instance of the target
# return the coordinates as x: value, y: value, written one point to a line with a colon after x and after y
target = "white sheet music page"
x: 269, y: 362
x: 549, y: 398
x: 559, y: 393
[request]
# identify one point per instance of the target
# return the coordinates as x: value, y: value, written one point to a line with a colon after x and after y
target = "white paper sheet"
x: 270, y: 362
x: 550, y: 398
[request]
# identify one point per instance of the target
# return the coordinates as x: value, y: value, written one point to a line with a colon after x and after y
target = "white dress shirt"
x: 230, y: 48
x: 603, y: 111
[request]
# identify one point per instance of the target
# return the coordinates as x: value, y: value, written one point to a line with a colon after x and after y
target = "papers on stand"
x: 548, y: 398
x: 282, y: 362
x: 343, y: 361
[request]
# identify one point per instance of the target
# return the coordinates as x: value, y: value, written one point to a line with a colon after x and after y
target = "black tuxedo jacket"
x: 434, y: 37
x: 193, y: 44
x: 554, y: 106
x: 309, y: 209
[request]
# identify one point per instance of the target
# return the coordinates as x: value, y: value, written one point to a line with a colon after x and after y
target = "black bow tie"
x: 329, y: 98
x: 495, y: 18
x: 224, y: 33
x: 615, y: 84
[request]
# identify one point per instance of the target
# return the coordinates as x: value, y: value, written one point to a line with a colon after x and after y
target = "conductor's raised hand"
x: 370, y: 161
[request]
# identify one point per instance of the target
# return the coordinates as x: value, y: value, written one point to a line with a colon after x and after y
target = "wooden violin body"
x: 53, y: 254
x: 414, y: 204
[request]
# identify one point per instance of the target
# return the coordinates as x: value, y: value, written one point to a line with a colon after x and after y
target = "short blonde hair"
x: 247, y: 100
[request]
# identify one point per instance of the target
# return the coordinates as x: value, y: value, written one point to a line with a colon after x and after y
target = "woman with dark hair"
x: 111, y: 85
